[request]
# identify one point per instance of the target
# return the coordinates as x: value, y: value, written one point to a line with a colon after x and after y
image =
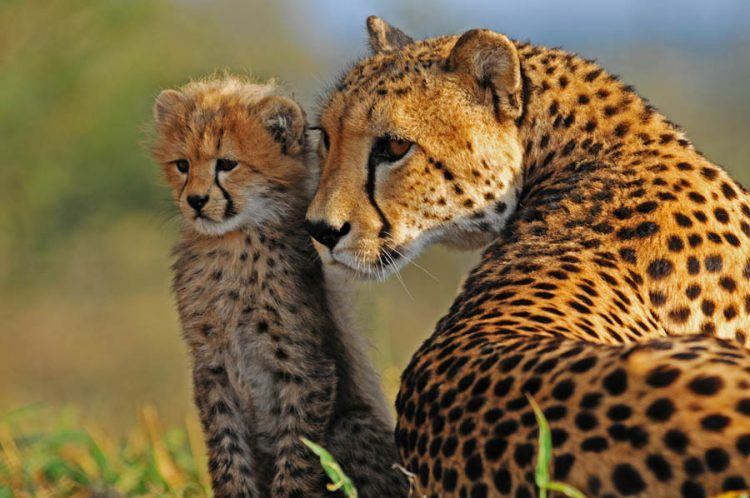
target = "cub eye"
x: 225, y: 164
x: 391, y: 149
x: 182, y: 165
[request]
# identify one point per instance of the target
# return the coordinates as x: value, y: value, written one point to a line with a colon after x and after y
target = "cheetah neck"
x: 252, y: 263
x: 575, y: 111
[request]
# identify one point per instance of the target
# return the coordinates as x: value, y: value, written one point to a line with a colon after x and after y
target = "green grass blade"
x: 339, y: 480
x: 544, y: 459
x: 565, y: 489
x: 544, y: 456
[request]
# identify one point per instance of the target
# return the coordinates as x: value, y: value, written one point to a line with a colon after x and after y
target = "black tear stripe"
x: 370, y: 189
x: 525, y: 96
x: 229, y: 210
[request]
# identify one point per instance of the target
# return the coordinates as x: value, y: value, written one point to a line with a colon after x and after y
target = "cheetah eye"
x: 182, y: 165
x: 225, y: 164
x: 390, y: 149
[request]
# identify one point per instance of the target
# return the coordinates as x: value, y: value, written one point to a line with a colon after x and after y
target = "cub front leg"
x: 231, y: 460
x: 305, y: 410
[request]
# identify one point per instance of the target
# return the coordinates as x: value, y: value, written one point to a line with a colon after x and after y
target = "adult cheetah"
x: 273, y: 361
x: 615, y: 290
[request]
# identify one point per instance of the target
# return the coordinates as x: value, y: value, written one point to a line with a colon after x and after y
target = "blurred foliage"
x: 60, y: 455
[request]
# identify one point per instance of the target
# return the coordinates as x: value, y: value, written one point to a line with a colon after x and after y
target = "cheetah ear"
x: 285, y: 121
x: 384, y: 37
x: 166, y: 106
x: 488, y: 61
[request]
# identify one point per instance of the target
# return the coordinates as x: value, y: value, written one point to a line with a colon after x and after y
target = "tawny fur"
x: 272, y: 360
x: 616, y: 291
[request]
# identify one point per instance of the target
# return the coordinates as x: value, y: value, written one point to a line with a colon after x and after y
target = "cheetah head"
x: 419, y: 145
x: 230, y: 150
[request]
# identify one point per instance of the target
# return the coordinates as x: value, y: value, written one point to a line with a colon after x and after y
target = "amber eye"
x: 390, y: 149
x: 182, y: 165
x: 398, y: 148
x: 225, y: 164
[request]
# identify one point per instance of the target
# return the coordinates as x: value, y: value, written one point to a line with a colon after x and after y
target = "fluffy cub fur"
x: 270, y: 362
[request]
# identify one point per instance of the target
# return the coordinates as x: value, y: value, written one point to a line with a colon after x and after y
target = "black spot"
x: 616, y: 382
x: 734, y: 483
x: 715, y: 422
x: 646, y: 229
x: 646, y: 207
x: 627, y: 479
x: 586, y: 421
x: 717, y: 459
x: 743, y: 406
x: 619, y: 412
x: 721, y: 215
x: 628, y: 255
x: 675, y: 243
x: 591, y: 400
x: 595, y: 444
x: 683, y: 220
x: 693, y: 265
x: 563, y: 390
x: 450, y: 476
x: 728, y: 191
x: 502, y: 481
x: 693, y: 291
x: 523, y: 454
x: 693, y: 466
x: 562, y: 465
x: 728, y: 284
x: 659, y: 466
x: 494, y: 448
x: 743, y: 444
x: 449, y: 447
x: 691, y: 489
x: 676, y: 440
x: 660, y: 268
x: 583, y: 365
x: 706, y: 385
x: 708, y: 307
x: 474, y: 467
x: 660, y: 410
x: 479, y: 490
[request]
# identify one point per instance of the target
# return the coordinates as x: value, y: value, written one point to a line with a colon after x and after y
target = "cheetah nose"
x: 325, y: 233
x: 197, y: 202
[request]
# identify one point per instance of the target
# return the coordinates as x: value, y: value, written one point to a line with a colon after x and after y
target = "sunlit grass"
x: 60, y: 455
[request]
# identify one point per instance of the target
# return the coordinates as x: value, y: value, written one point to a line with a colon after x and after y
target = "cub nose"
x: 325, y: 233
x: 197, y: 202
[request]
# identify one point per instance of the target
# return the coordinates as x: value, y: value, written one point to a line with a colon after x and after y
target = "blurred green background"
x: 86, y: 314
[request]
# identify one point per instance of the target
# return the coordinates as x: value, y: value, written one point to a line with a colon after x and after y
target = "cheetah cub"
x: 271, y: 362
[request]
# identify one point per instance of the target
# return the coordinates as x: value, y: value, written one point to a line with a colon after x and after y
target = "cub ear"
x: 489, y: 61
x: 166, y: 106
x: 385, y: 37
x: 285, y: 121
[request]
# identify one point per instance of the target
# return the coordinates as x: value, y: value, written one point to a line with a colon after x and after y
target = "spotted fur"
x: 615, y: 290
x: 273, y: 359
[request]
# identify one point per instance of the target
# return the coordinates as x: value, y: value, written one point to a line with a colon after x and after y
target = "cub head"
x: 419, y: 145
x: 231, y: 151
